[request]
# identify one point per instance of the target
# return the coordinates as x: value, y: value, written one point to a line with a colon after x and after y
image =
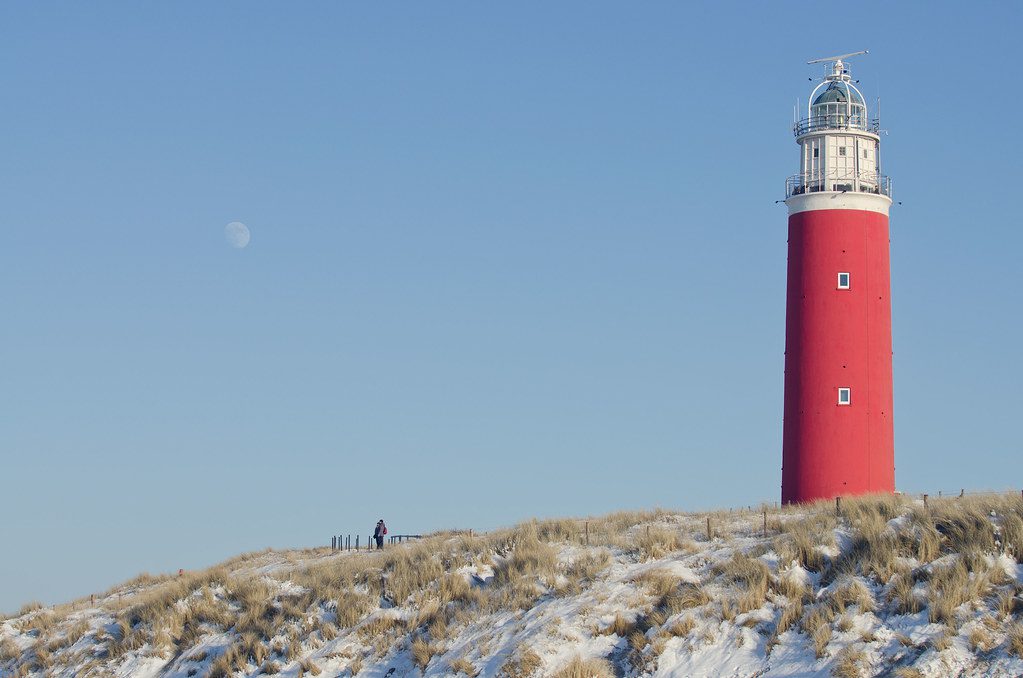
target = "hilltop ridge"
x: 889, y: 587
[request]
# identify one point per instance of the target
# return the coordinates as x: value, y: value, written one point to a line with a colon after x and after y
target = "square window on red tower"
x: 843, y: 281
x: 844, y: 395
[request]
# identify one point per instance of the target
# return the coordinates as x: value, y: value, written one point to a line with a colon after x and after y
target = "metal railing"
x: 819, y: 123
x: 798, y: 184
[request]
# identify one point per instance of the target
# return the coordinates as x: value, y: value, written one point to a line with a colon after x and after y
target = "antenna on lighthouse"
x: 837, y: 58
x: 838, y: 71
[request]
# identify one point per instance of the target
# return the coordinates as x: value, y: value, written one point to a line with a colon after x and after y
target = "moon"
x: 237, y: 235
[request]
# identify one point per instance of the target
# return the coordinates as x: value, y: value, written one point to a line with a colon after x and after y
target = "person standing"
x: 379, y: 533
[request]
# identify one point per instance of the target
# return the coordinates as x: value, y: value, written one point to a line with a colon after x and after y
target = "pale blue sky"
x: 506, y: 261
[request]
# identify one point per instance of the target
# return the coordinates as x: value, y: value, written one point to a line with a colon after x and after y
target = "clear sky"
x: 506, y: 261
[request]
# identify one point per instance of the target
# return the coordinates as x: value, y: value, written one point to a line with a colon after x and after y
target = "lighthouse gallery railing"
x: 798, y: 184
x: 819, y: 123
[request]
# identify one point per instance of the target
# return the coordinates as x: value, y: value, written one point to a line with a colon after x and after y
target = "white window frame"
x: 848, y: 280
x: 847, y: 392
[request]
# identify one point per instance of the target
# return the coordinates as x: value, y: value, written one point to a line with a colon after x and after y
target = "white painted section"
x: 868, y: 202
x: 839, y: 160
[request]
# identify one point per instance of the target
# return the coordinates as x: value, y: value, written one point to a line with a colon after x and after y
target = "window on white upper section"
x: 843, y: 281
x: 844, y: 395
x: 816, y: 152
x: 864, y: 153
x: 841, y: 150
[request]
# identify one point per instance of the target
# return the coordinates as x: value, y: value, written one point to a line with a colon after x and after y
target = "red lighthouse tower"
x: 838, y: 437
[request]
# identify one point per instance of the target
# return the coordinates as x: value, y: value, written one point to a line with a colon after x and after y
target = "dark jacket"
x: 381, y: 529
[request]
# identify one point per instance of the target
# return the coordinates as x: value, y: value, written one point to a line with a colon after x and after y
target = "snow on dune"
x: 631, y: 611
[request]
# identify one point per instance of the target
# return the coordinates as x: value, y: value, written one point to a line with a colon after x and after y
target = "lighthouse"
x: 837, y: 434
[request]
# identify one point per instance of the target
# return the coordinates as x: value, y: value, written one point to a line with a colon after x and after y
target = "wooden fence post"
x: 838, y: 506
x: 765, y: 522
x: 925, y: 501
x: 356, y: 542
x: 710, y: 534
x: 587, y: 533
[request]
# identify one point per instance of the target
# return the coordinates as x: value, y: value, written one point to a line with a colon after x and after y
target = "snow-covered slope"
x: 888, y: 588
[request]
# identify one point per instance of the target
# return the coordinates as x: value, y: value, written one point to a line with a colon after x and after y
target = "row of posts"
x: 343, y: 542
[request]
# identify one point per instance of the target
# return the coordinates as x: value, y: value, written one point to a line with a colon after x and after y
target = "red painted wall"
x: 837, y: 338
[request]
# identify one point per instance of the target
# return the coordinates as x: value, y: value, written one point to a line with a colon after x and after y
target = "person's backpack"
x: 385, y: 529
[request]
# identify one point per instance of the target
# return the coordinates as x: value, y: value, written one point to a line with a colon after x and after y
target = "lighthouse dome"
x: 838, y: 92
x: 837, y: 105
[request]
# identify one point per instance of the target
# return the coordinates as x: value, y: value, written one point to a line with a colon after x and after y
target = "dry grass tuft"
x: 75, y: 632
x: 310, y: 667
x: 29, y: 607
x: 586, y: 668
x: 751, y: 576
x: 686, y: 596
x: 942, y: 642
x: 980, y: 639
x: 524, y: 664
x: 1014, y: 640
x: 682, y: 627
x: 455, y: 588
x: 657, y: 541
x: 532, y: 564
x: 423, y: 652
x: 849, y: 663
x: 351, y: 608
x: 620, y: 627
x: 793, y: 587
x: 586, y: 567
x: 789, y: 616
x: 952, y: 586
x: 9, y: 650
x: 463, y: 666
x: 902, y: 594
x: 801, y: 540
x: 817, y: 625
x: 1011, y: 529
x: 658, y: 583
x: 227, y: 663
x: 851, y: 591
x: 908, y: 672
